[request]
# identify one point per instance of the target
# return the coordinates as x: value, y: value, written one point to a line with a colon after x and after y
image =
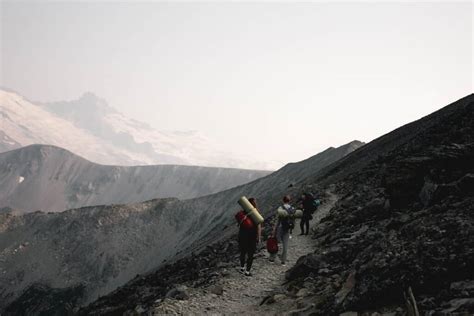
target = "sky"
x: 282, y: 81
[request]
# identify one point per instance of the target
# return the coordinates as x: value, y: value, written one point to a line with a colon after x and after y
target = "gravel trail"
x: 235, y: 293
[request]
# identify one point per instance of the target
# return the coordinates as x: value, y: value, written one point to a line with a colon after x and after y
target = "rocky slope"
x: 93, y: 129
x: 90, y: 251
x: 48, y: 178
x: 404, y: 219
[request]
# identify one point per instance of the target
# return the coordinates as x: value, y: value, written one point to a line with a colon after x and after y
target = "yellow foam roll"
x: 250, y: 210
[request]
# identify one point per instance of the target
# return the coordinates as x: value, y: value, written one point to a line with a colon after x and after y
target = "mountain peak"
x: 90, y: 96
x: 90, y: 101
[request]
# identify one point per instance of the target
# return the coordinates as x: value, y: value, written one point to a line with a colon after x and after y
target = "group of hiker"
x: 250, y: 228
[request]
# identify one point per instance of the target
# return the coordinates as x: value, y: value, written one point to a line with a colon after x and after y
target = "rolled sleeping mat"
x: 251, y: 211
x: 282, y: 213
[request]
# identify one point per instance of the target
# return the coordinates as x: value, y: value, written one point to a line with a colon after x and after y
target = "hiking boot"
x: 242, y: 270
x: 247, y: 273
x: 283, y: 264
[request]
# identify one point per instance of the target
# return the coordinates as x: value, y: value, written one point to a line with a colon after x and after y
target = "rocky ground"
x: 208, y: 281
x: 234, y: 293
x: 404, y: 220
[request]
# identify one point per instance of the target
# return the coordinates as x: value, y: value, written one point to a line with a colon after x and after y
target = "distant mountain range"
x: 99, y: 248
x: 94, y: 130
x: 48, y: 178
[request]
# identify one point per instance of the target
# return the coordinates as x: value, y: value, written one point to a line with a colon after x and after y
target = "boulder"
x: 466, y: 184
x: 304, y: 266
x: 178, y: 293
x: 216, y: 289
x: 346, y: 288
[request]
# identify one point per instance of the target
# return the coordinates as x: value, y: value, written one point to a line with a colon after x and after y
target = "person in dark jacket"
x: 308, y: 208
x: 248, y: 239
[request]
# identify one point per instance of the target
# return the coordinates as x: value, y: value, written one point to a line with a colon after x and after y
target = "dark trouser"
x: 304, y: 222
x: 249, y: 253
x: 247, y: 247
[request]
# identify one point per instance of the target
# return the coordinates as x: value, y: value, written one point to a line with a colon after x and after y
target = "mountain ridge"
x: 51, y: 178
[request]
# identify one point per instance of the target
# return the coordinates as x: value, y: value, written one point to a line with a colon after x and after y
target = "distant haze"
x: 278, y: 81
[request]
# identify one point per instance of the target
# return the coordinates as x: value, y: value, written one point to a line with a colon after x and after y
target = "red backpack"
x: 244, y: 220
x: 272, y: 245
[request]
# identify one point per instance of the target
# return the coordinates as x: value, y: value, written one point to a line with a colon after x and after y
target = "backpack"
x: 243, y: 220
x: 288, y: 223
x: 315, y: 202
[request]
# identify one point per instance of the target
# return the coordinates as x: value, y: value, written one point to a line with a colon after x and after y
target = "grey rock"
x: 279, y: 297
x: 302, y: 292
x: 346, y: 288
x: 427, y: 192
x: 216, y: 289
x: 459, y: 304
x: 139, y: 309
x: 177, y: 293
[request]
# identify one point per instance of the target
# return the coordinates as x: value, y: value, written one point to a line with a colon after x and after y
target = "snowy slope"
x: 27, y: 123
x: 92, y: 129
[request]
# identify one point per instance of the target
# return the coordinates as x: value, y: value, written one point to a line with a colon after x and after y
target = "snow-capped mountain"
x: 48, y: 178
x: 94, y: 130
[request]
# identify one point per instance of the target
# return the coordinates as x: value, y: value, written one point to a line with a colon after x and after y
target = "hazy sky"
x: 280, y: 80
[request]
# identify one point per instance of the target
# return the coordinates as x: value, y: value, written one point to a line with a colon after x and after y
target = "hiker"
x: 249, y: 236
x: 283, y: 227
x: 307, y: 203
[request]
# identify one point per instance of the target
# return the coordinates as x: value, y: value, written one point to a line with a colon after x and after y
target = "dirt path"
x: 242, y: 294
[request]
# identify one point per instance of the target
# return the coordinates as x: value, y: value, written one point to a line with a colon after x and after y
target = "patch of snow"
x: 21, y: 179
